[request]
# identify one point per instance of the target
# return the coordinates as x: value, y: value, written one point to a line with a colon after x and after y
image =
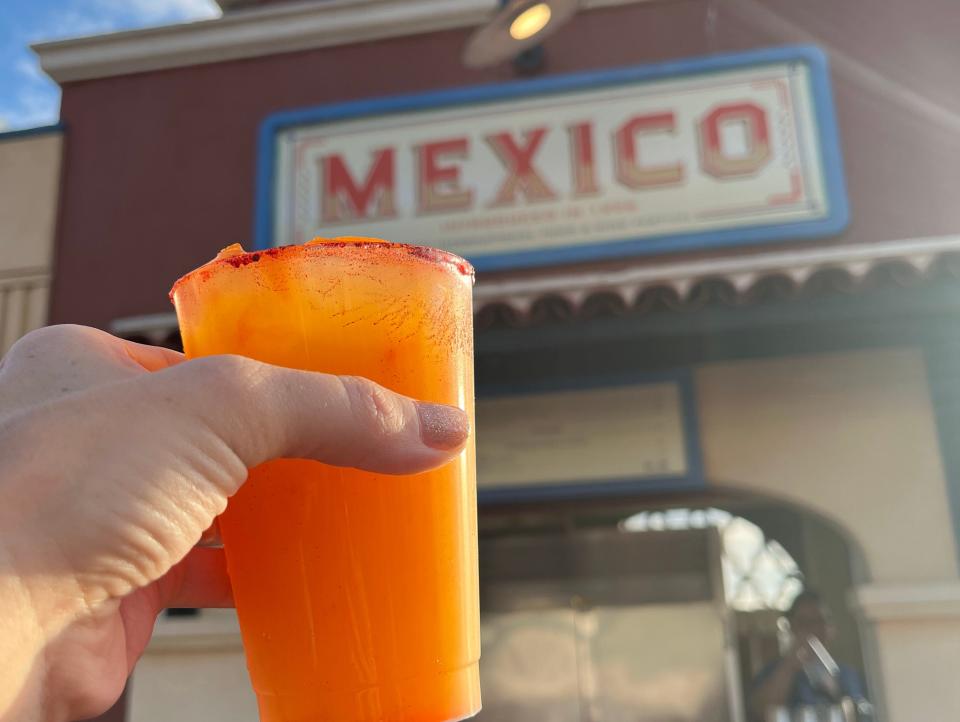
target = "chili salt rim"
x: 427, y: 254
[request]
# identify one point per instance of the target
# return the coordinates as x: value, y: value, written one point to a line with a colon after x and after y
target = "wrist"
x: 39, y: 606
x: 21, y: 648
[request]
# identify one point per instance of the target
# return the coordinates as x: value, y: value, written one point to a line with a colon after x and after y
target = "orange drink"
x: 356, y: 592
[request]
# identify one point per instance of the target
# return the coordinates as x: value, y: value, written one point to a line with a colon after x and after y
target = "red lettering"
x: 438, y: 186
x: 630, y: 170
x: 344, y: 200
x: 522, y: 177
x: 581, y: 156
x: 715, y: 159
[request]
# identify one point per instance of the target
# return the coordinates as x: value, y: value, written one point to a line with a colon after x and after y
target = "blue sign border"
x: 692, y: 480
x: 831, y: 158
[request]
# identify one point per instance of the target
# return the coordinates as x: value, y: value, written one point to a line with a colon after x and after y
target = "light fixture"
x: 519, y: 26
x: 530, y: 22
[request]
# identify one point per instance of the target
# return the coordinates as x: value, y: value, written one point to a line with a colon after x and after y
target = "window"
x: 758, y: 573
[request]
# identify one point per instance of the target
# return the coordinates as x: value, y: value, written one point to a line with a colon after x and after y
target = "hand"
x: 114, y: 459
x: 799, y: 652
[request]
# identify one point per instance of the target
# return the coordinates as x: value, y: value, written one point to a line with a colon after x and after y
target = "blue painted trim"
x: 607, y: 488
x: 943, y: 383
x: 266, y: 173
x: 601, y: 489
x: 831, y: 159
x: 27, y: 132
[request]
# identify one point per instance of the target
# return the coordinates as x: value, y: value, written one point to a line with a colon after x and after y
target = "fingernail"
x: 442, y: 427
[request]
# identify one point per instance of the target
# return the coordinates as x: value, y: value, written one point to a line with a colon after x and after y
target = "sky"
x: 28, y: 98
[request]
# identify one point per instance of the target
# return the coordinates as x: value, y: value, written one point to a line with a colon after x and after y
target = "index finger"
x: 262, y: 412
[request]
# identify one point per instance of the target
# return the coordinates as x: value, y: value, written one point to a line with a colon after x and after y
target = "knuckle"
x: 144, y: 542
x: 50, y: 338
x: 114, y: 576
x: 235, y: 408
x: 226, y: 373
x: 377, y: 410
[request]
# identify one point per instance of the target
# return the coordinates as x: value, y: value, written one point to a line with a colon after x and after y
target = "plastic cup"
x: 356, y: 592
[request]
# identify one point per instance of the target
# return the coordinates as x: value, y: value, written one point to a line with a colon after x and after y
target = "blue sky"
x: 29, y: 98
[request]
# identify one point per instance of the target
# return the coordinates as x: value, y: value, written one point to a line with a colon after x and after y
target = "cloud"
x: 71, y: 23
x: 154, y: 11
x: 31, y: 106
x: 104, y: 16
x: 29, y: 68
x: 33, y: 99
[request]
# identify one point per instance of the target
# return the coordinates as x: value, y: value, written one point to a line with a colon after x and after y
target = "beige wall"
x: 915, y: 636
x: 29, y: 185
x: 912, y: 653
x: 193, y: 671
x: 851, y: 436
x: 29, y: 189
x: 178, y: 681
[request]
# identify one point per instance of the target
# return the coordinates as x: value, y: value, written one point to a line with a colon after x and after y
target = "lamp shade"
x: 519, y: 25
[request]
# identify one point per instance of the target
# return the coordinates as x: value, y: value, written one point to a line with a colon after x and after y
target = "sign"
x: 694, y: 154
x: 637, y: 433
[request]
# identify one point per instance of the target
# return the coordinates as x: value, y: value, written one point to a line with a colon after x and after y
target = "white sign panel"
x: 701, y: 153
x: 619, y: 433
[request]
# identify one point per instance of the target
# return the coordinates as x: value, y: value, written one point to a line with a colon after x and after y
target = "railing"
x: 24, y: 296
x: 157, y: 329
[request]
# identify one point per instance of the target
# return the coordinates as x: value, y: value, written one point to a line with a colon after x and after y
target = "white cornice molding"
x: 900, y: 602
x: 259, y: 31
x: 251, y: 33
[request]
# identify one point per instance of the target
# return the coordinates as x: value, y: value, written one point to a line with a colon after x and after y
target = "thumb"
x: 261, y: 412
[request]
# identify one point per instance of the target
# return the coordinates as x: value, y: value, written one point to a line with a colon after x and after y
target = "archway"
x: 650, y: 608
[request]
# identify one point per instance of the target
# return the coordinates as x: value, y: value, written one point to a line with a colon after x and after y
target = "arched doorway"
x: 649, y: 609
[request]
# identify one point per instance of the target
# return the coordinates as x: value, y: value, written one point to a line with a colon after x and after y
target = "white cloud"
x: 152, y: 11
x: 72, y: 24
x: 31, y: 106
x: 29, y: 68
x: 104, y: 16
x: 35, y: 99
